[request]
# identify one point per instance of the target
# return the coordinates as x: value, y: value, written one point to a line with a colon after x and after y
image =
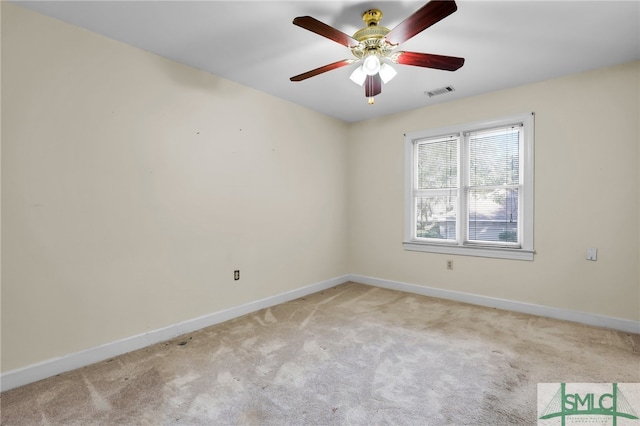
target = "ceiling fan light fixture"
x: 374, y: 45
x: 387, y: 73
x: 358, y: 76
x: 371, y: 64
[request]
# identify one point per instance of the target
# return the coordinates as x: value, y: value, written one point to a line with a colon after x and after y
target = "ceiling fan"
x: 374, y: 45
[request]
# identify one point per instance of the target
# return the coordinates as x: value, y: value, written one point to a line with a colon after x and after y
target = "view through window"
x: 470, y: 189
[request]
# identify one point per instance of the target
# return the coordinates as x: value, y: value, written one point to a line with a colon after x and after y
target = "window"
x: 469, y: 189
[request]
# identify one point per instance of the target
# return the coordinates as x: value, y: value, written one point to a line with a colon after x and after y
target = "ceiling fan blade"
x: 322, y: 69
x: 372, y: 85
x: 422, y: 19
x: 313, y: 25
x: 428, y: 60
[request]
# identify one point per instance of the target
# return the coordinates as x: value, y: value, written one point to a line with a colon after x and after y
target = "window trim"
x: 526, y: 250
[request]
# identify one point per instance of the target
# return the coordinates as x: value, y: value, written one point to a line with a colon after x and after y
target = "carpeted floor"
x: 350, y: 355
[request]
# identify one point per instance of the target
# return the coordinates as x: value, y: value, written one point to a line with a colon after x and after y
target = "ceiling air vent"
x: 440, y: 91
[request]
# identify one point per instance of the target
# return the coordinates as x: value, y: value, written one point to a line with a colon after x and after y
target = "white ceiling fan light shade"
x: 358, y: 76
x: 371, y: 65
x: 387, y: 72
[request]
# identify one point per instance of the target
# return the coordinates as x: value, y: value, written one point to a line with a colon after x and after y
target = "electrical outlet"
x: 236, y: 275
x: 450, y: 264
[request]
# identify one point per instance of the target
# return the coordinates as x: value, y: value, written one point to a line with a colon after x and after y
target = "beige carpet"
x: 351, y: 355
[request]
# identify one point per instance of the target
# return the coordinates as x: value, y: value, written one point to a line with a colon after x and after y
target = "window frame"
x: 525, y: 250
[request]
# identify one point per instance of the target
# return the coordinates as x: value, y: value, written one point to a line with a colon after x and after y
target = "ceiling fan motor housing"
x: 371, y: 37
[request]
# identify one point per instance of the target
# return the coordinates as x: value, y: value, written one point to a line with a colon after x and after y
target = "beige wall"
x: 586, y: 195
x: 133, y: 187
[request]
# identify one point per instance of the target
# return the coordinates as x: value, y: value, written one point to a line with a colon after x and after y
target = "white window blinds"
x: 494, y: 183
x: 436, y: 194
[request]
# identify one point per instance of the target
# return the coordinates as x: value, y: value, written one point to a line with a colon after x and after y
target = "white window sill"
x: 495, y: 252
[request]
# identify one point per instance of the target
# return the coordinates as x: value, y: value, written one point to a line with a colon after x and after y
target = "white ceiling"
x: 505, y: 44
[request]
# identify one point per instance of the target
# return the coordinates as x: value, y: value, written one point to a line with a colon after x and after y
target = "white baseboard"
x: 51, y: 367
x: 619, y: 324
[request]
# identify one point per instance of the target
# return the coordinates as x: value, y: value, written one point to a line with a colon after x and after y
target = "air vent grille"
x: 439, y: 91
